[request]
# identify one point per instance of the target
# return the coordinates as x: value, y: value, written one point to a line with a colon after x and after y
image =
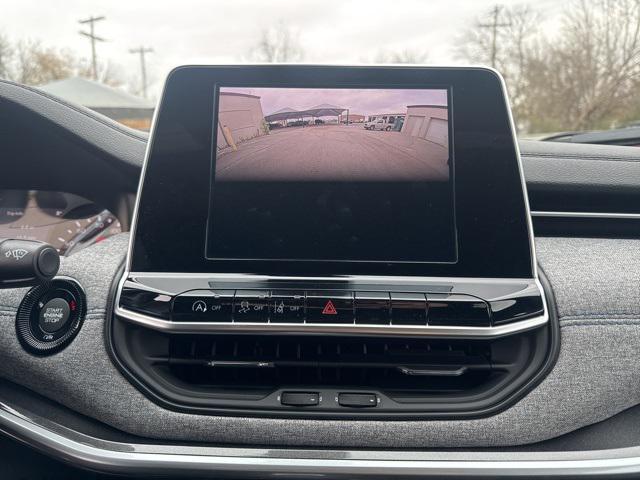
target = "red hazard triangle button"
x: 329, y: 309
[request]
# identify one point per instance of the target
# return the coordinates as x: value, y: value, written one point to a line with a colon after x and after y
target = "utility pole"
x: 494, y: 25
x: 143, y: 66
x: 94, y: 38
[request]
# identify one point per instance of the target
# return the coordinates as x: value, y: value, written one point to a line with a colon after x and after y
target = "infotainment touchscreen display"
x: 320, y: 171
x: 332, y: 174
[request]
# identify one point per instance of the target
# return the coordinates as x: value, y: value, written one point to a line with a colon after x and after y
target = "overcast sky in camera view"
x: 358, y: 101
x: 226, y: 31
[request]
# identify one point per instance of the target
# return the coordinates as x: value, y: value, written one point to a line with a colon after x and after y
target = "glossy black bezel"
x: 491, y: 213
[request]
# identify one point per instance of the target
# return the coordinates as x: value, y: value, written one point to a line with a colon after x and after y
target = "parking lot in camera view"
x: 284, y: 134
x: 343, y: 152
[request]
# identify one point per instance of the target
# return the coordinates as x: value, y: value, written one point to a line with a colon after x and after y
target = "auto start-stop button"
x: 54, y: 315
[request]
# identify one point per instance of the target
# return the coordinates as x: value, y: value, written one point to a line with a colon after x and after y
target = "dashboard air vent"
x: 262, y: 364
x: 251, y: 373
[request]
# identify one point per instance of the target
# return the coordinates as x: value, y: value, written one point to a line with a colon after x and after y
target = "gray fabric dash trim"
x: 596, y: 375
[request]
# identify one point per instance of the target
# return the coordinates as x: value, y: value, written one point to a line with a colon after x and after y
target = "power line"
x: 143, y: 66
x: 94, y: 38
x: 494, y: 25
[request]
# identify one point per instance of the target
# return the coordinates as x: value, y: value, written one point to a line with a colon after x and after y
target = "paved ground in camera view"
x: 334, y: 152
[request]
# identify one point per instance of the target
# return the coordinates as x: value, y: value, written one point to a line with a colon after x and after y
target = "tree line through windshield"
x: 584, y: 75
x: 567, y: 69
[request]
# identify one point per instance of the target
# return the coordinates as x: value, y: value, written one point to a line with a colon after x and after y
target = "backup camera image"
x: 310, y: 134
x: 332, y: 174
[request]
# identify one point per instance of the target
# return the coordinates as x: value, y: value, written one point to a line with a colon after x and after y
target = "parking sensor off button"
x: 54, y: 315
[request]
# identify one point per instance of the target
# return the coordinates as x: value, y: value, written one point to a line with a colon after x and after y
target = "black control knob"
x: 26, y: 262
x: 50, y: 316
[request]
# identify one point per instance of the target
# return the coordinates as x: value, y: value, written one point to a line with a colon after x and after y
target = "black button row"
x: 329, y: 307
x: 312, y: 399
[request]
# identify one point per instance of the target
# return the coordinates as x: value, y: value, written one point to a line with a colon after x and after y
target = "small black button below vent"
x: 300, y: 399
x: 50, y: 316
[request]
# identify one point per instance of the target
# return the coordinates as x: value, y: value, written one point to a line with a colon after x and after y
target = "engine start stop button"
x: 54, y: 315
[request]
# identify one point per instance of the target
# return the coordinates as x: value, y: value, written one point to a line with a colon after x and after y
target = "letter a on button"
x: 329, y: 309
x: 199, y: 306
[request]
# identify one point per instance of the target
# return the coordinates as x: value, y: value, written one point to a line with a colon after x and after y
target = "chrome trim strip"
x: 337, y: 328
x: 114, y: 457
x: 380, y: 279
x: 629, y: 216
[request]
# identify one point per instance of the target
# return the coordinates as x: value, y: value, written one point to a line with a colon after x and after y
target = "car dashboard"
x: 155, y: 378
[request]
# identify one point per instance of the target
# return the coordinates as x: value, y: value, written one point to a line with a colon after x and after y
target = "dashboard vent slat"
x: 267, y: 363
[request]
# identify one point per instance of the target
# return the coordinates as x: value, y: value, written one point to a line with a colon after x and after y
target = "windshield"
x: 571, y: 67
